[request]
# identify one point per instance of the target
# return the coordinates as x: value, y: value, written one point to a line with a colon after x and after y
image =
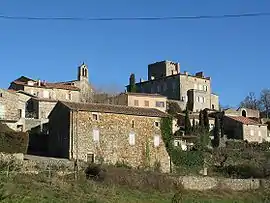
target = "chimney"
x: 185, y: 72
x: 178, y: 67
x: 39, y: 83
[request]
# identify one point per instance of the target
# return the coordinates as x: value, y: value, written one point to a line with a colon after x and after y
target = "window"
x: 136, y: 102
x: 96, y: 135
x: 165, y: 87
x: 131, y: 138
x: 132, y: 124
x: 205, y: 88
x: 160, y: 104
x: 156, y: 140
x: 251, y: 132
x: 195, y: 86
x: 90, y: 158
x: 198, y: 99
x: 157, y: 124
x: 158, y: 88
x: 95, y: 116
x: 146, y: 103
x: 203, y: 100
x: 20, y: 113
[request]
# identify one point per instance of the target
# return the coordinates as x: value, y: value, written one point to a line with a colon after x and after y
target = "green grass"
x: 32, y: 189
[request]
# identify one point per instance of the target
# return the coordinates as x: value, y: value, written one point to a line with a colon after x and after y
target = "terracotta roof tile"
x: 49, y: 85
x: 244, y: 120
x: 144, y: 94
x: 117, y: 109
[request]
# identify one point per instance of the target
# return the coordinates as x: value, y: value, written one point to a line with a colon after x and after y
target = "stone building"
x: 76, y: 91
x: 112, y: 133
x: 12, y: 110
x: 143, y: 100
x: 166, y: 79
x: 243, y: 128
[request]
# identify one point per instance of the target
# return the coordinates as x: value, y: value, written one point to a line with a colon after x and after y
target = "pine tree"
x: 187, y: 124
x: 205, y: 120
x: 132, y: 85
x: 216, y: 133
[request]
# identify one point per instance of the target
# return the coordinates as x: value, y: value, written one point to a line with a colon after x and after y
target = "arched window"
x: 244, y: 113
x: 213, y: 106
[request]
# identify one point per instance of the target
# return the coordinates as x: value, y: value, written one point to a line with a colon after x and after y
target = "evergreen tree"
x: 132, y: 85
x: 187, y: 124
x: 216, y: 132
x: 201, y: 119
x: 222, y: 124
x: 205, y: 120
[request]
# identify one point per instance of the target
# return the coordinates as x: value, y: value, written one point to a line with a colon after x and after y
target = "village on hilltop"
x: 78, y: 123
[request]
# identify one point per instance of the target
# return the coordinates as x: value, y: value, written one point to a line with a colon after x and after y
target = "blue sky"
x: 234, y: 52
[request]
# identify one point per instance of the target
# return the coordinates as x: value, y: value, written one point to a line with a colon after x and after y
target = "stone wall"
x: 45, y: 108
x: 255, y: 133
x: 54, y: 94
x: 168, y: 87
x: 214, y: 102
x: 198, y: 100
x: 208, y: 183
x: 114, y: 142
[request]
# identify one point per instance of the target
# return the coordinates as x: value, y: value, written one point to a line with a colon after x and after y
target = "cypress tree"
x: 193, y: 125
x: 187, y: 124
x: 216, y: 133
x: 132, y: 85
x: 201, y: 119
x: 206, y: 120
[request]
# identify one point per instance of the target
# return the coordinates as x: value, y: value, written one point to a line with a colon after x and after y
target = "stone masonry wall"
x: 255, y: 133
x: 45, y: 108
x: 55, y: 94
x: 114, y: 146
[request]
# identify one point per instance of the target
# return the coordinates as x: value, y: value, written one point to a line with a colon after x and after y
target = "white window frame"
x: 96, y: 135
x: 132, y: 138
x: 156, y: 141
x: 96, y: 114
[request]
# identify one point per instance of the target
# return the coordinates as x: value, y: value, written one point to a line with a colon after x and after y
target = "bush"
x: 187, y: 159
x: 95, y: 172
x: 122, y: 164
x: 11, y: 141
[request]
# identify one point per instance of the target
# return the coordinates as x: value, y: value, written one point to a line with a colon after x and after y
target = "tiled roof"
x: 117, y: 109
x: 244, y: 120
x: 144, y: 94
x: 48, y: 85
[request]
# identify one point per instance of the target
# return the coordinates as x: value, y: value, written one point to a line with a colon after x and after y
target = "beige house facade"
x: 142, y: 100
x: 243, y: 128
x: 111, y: 133
x: 166, y: 79
x: 12, y: 110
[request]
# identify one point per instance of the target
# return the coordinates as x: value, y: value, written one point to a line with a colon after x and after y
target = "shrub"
x: 11, y: 141
x: 95, y: 172
x: 122, y: 164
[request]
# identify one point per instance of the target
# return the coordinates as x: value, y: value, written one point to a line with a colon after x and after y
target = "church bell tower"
x: 83, y: 72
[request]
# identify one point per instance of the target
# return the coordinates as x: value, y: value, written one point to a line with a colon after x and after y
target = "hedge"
x: 12, y: 141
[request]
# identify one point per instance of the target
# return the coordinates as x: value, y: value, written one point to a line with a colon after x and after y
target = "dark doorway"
x: 244, y: 113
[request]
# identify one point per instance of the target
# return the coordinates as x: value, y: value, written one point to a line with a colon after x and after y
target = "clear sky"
x: 234, y: 52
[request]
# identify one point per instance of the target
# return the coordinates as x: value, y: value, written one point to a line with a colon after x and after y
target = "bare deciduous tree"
x: 265, y: 100
x: 251, y: 102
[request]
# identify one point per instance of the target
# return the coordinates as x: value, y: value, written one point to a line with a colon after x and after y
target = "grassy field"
x: 29, y: 189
